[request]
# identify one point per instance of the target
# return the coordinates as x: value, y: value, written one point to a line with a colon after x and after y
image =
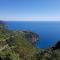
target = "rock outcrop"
x: 31, y: 36
x: 56, y: 46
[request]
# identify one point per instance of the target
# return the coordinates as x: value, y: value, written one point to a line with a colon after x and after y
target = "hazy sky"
x: 30, y: 10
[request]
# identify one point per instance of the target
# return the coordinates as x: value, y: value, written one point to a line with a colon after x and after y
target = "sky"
x: 30, y: 10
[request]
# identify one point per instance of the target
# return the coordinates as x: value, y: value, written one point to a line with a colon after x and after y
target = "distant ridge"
x: 2, y: 22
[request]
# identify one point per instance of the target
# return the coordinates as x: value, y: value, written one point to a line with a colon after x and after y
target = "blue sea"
x: 49, y: 31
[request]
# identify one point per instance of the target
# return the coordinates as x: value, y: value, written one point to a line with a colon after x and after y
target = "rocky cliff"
x: 31, y: 36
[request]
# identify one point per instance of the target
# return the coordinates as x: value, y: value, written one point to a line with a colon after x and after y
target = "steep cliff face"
x: 30, y: 36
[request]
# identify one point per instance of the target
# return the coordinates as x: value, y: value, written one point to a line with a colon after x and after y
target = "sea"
x: 48, y: 31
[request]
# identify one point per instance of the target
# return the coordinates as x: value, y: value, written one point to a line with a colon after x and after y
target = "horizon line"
x: 53, y: 18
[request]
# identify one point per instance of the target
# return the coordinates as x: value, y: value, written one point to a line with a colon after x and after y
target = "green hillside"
x: 19, y: 45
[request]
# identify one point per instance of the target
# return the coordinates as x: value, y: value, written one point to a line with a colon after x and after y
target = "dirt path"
x: 2, y: 48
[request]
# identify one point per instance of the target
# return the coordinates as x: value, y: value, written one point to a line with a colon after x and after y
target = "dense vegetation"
x: 18, y: 45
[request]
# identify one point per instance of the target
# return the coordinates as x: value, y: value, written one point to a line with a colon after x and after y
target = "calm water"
x: 49, y: 32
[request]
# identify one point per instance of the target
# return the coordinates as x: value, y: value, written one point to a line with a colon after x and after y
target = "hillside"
x: 19, y: 45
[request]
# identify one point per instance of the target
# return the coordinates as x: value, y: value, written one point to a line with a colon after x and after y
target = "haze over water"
x: 49, y: 32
